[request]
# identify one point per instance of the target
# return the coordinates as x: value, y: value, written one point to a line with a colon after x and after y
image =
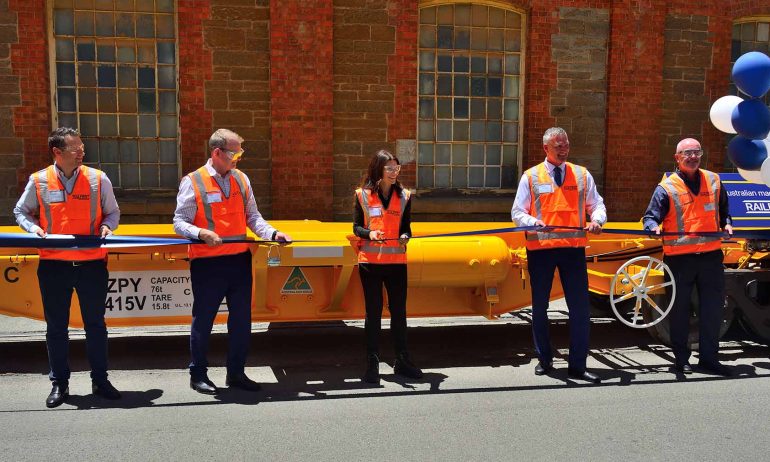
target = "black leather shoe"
x: 543, y: 368
x: 683, y: 368
x: 242, y: 382
x: 583, y: 375
x: 372, y: 374
x: 105, y: 389
x: 204, y: 386
x: 58, y: 395
x: 716, y: 368
x: 404, y: 366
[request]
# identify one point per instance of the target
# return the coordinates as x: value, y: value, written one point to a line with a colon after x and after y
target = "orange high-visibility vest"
x: 378, y: 218
x: 79, y: 212
x: 558, y: 206
x: 688, y: 213
x: 226, y: 216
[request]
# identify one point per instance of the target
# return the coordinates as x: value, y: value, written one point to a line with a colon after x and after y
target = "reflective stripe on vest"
x: 226, y: 217
x: 68, y: 214
x: 390, y: 251
x: 703, y: 214
x: 540, y: 181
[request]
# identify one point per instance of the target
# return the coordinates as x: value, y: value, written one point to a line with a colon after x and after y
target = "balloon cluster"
x: 749, y: 118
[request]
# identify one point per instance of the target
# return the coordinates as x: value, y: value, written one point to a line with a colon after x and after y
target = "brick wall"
x: 634, y: 106
x: 301, y: 92
x: 579, y: 102
x: 11, y: 146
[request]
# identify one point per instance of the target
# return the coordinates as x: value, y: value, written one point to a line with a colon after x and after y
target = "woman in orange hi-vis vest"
x: 382, y: 222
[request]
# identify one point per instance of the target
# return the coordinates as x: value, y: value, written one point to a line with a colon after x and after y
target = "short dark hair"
x: 56, y: 137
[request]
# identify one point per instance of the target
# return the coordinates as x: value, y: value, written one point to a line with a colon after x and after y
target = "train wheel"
x: 642, y: 294
x: 660, y: 330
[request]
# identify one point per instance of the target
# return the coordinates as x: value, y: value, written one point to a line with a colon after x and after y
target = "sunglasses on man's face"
x: 233, y: 155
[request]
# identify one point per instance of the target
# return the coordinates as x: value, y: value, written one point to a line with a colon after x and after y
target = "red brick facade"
x: 316, y: 86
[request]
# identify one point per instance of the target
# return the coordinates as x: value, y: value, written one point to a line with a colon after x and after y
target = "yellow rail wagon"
x: 315, y: 278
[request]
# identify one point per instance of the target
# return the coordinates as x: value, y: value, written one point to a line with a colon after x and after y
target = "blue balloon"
x: 751, y: 73
x: 747, y: 154
x: 751, y: 119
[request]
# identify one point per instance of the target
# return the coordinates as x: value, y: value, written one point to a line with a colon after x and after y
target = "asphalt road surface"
x: 479, y: 399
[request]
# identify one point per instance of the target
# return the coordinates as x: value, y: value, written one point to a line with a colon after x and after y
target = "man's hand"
x: 729, y: 230
x: 655, y: 230
x: 209, y: 237
x: 282, y: 237
x: 105, y: 231
x: 41, y: 233
x: 403, y: 239
x: 594, y: 228
x: 376, y: 235
x: 540, y: 223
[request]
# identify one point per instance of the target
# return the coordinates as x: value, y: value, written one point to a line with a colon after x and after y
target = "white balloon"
x: 765, y: 171
x: 722, y: 111
x: 752, y: 176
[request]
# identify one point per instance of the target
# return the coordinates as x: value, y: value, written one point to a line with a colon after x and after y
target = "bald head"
x: 687, y: 143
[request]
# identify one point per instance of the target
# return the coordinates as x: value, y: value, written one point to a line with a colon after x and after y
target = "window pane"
x: 476, y: 156
x: 426, y: 108
x: 88, y: 125
x: 68, y: 120
x: 148, y: 151
x: 426, y: 84
x: 105, y: 24
x: 496, y: 17
x: 167, y: 102
x: 84, y: 23
x: 511, y: 109
x: 443, y: 154
x: 445, y: 14
x: 147, y: 101
x: 476, y: 177
x: 462, y: 38
x: 87, y: 100
x: 66, y: 100
x: 126, y: 76
x: 169, y: 178
x: 126, y: 54
x: 442, y: 177
x: 168, y: 153
x: 165, y: 6
x: 146, y: 53
x: 165, y: 25
x: 479, y: 15
x: 168, y: 126
x: 65, y: 74
x: 108, y: 101
x: 495, y: 39
x: 65, y: 50
x: 495, y: 86
x: 166, y: 52
x: 427, y: 36
x: 166, y: 77
x: 494, y: 109
x: 444, y: 63
x: 459, y: 177
x: 425, y: 177
x: 148, y: 126
x: 129, y: 176
x: 107, y: 76
x: 478, y: 39
x: 444, y: 86
x: 425, y: 154
x: 145, y: 25
x: 426, y: 61
x: 460, y: 154
x: 493, y: 154
x: 113, y: 173
x: 463, y: 15
x: 108, y: 125
x: 512, y: 64
x: 127, y: 125
x: 462, y: 64
x: 444, y: 108
x: 494, y: 131
x: 105, y: 52
x: 478, y: 108
x: 443, y: 130
x: 129, y: 151
x: 145, y: 5
x: 495, y: 65
x: 511, y: 86
x: 478, y: 86
x: 493, y: 177
x: 124, y: 24
x: 63, y: 22
x: 461, y: 85
x: 461, y: 108
x: 428, y: 15
x: 460, y: 131
x: 103, y: 4
x: 445, y: 37
x: 425, y: 130
x: 146, y: 77
x: 477, y: 131
x: 127, y: 101
x: 511, y: 132
x: 86, y: 51
x: 509, y: 155
x: 108, y: 151
x: 478, y: 64
x: 512, y: 40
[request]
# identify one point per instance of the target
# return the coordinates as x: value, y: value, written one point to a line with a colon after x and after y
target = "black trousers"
x: 214, y: 279
x: 57, y: 280
x: 704, y: 271
x: 571, y: 263
x: 393, y: 277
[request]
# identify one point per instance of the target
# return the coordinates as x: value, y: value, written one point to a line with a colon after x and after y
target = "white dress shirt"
x: 186, y: 207
x: 520, y: 210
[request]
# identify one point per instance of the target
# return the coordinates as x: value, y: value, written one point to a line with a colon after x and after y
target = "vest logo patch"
x: 296, y: 283
x: 80, y: 197
x: 569, y: 188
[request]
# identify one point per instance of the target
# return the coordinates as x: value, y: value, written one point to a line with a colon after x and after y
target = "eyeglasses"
x: 233, y: 155
x: 79, y: 148
x: 692, y: 153
x: 392, y: 168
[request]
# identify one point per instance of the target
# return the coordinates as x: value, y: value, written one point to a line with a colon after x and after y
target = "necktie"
x: 557, y: 176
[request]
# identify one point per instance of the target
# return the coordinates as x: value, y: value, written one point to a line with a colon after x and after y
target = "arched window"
x: 750, y: 34
x: 470, y: 86
x: 114, y: 77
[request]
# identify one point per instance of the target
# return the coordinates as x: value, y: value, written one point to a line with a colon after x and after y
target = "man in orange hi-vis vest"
x: 71, y: 198
x: 557, y: 193
x: 693, y: 200
x: 216, y: 203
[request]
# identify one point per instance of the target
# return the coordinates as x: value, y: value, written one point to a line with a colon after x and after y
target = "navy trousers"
x: 394, y: 278
x: 214, y: 279
x: 704, y: 271
x: 57, y: 280
x: 571, y: 263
